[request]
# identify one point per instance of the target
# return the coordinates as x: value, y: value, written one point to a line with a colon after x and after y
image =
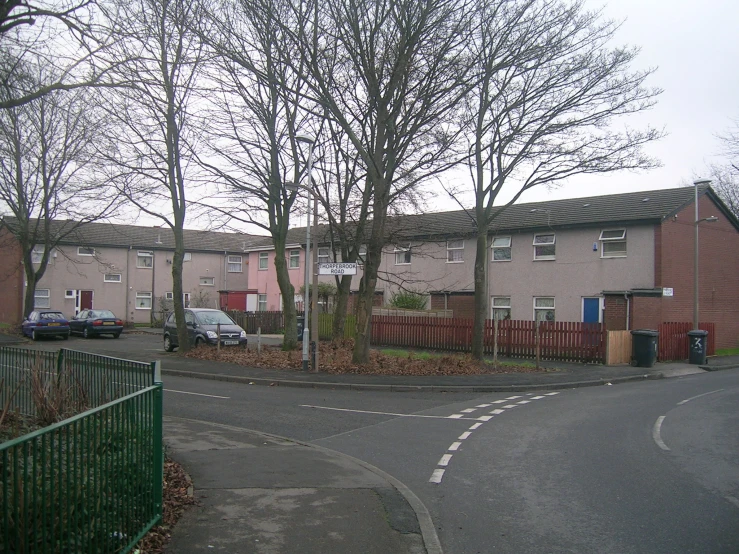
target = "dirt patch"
x: 336, y: 357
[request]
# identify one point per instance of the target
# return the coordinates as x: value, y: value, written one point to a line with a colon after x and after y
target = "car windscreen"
x: 51, y: 315
x: 214, y: 318
x: 101, y: 313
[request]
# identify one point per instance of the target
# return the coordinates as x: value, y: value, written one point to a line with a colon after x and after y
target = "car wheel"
x: 65, y: 336
x: 168, y: 344
x: 85, y: 333
x: 116, y: 335
x: 34, y: 336
x: 199, y: 341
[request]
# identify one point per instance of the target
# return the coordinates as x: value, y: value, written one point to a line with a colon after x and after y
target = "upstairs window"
x: 112, y: 278
x: 362, y: 253
x: 36, y: 254
x: 85, y: 251
x: 207, y: 281
x: 324, y: 255
x: 501, y: 249
x: 294, y: 259
x: 263, y: 260
x: 454, y: 251
x: 235, y: 264
x: 187, y: 257
x: 544, y: 247
x: 145, y: 259
x: 613, y: 243
x: 402, y: 255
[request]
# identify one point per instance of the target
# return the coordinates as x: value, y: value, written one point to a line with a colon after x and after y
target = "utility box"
x: 301, y: 326
x: 698, y: 346
x: 644, y: 347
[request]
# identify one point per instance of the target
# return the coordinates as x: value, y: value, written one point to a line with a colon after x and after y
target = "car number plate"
x: 230, y: 342
x: 54, y: 324
x: 108, y: 323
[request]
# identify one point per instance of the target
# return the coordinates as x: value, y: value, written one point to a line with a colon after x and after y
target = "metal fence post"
x: 158, y: 473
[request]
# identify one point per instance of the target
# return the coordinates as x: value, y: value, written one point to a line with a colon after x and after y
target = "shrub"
x: 408, y: 300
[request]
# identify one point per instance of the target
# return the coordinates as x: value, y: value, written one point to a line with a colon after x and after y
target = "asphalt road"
x: 648, y: 467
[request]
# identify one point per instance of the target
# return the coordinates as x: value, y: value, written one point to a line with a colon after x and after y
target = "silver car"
x: 203, y: 325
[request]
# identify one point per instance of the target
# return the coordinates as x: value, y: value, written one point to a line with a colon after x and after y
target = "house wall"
x: 578, y: 271
x: 71, y: 271
x: 718, y: 297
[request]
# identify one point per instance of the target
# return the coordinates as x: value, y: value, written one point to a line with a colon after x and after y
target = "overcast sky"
x: 695, y: 48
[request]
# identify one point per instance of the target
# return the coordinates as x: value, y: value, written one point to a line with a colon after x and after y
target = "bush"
x: 408, y: 300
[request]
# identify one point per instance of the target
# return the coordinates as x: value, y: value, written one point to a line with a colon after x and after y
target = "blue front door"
x: 591, y: 310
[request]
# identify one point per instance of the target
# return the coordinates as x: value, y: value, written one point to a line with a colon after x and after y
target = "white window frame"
x: 294, y: 259
x: 612, y: 241
x: 506, y: 306
x: 325, y: 257
x: 505, y: 246
x: 106, y: 278
x: 212, y: 282
x: 186, y: 299
x: 187, y: 257
x: 45, y: 296
x: 70, y: 293
x: 37, y: 255
x: 169, y: 295
x: 552, y: 308
x: 264, y: 256
x: 362, y: 253
x: 261, y: 299
x: 538, y: 243
x: 144, y: 255
x: 453, y: 251
x: 142, y: 296
x: 405, y: 252
x: 88, y: 248
x: 235, y: 264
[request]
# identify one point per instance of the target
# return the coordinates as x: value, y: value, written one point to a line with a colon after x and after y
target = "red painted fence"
x: 558, y: 340
x: 674, y: 344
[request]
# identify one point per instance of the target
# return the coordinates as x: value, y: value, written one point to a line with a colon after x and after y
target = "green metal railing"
x: 93, y: 380
x: 92, y: 482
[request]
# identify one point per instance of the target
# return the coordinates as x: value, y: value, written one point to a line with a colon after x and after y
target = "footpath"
x: 266, y: 494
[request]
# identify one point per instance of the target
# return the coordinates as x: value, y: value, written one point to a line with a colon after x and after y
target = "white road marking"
x: 483, y: 406
x: 496, y: 412
x: 510, y: 406
x: 454, y: 446
x: 485, y: 418
x: 197, y: 394
x: 536, y: 397
x: 512, y: 397
x: 697, y: 396
x: 550, y: 393
x: 656, y: 433
x: 445, y: 460
x: 476, y: 425
x: 499, y: 401
x: 454, y: 416
x: 523, y: 402
x: 436, y: 476
x: 469, y: 410
x: 464, y: 435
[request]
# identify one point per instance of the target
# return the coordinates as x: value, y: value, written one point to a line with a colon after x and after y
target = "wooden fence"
x: 674, y: 343
x: 270, y: 322
x: 618, y: 347
x: 560, y: 340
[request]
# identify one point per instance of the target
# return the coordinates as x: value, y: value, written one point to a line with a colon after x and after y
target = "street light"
x: 697, y: 183
x: 306, y: 286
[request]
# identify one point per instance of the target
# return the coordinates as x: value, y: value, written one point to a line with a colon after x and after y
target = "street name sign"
x: 337, y: 269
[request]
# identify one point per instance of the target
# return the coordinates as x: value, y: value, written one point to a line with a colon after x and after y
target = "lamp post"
x: 696, y: 184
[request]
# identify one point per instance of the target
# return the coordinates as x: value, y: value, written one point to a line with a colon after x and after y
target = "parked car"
x: 93, y: 323
x: 202, y: 328
x: 45, y: 323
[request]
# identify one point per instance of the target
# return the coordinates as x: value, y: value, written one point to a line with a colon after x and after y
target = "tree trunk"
x: 179, y: 307
x: 342, y: 302
x: 30, y: 295
x: 288, y: 296
x: 480, y: 274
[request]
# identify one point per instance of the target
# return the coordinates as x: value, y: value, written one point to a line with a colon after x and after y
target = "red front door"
x: 85, y: 300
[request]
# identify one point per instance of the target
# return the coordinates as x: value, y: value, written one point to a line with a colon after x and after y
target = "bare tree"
x: 726, y: 175
x: 149, y: 145
x: 47, y: 173
x: 550, y: 92
x: 258, y: 113
x: 388, y: 74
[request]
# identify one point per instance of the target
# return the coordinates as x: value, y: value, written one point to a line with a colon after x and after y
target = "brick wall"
x: 614, y: 313
x: 11, y: 279
x: 718, y: 270
x: 461, y: 304
x: 646, y: 312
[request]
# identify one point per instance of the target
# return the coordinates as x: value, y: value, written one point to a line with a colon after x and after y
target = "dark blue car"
x: 46, y: 323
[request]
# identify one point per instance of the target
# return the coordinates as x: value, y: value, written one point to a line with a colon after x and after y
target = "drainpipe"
x: 225, y: 269
x: 128, y: 290
x: 628, y: 304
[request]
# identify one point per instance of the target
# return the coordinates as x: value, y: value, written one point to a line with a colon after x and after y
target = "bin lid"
x: 646, y: 332
x: 697, y: 333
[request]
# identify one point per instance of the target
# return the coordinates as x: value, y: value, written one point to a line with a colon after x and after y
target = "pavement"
x: 260, y: 493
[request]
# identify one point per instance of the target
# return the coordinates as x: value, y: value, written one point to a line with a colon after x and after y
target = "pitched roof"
x: 151, y: 238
